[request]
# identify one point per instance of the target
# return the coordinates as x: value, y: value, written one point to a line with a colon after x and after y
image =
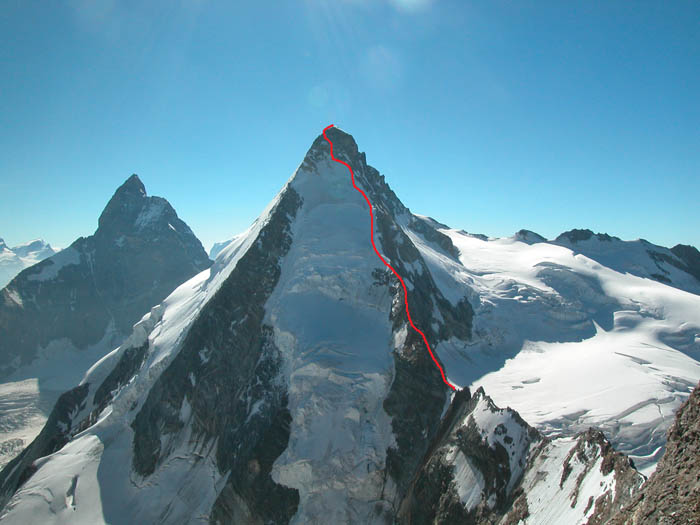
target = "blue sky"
x: 489, y: 116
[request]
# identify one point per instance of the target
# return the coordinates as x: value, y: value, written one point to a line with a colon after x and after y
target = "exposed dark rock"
x: 224, y: 387
x: 685, y: 258
x: 229, y: 363
x: 672, y: 494
x: 430, y: 233
x: 432, y: 496
x: 627, y: 479
x: 519, y: 510
x: 576, y: 235
x: 140, y: 252
x: 129, y: 363
x: 529, y: 237
x: 690, y: 256
x: 661, y: 278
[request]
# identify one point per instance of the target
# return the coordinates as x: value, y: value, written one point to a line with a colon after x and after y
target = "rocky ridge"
x: 672, y: 494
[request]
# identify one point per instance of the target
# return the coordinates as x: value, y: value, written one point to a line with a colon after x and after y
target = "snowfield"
x: 332, y: 325
x: 570, y: 343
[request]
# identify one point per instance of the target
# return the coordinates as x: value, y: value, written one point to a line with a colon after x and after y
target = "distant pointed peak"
x: 33, y: 244
x: 35, y: 247
x: 529, y: 237
x: 578, y: 235
x: 129, y: 196
x: 132, y: 185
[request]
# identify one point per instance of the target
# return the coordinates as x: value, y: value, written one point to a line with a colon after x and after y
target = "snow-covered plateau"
x: 570, y: 343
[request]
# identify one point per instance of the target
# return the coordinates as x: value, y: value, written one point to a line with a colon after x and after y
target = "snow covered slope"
x: 570, y: 343
x: 14, y: 260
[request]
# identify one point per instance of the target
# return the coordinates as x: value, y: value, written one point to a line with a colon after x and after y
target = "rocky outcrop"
x: 596, y: 452
x: 486, y: 466
x: 529, y: 237
x: 672, y: 494
x: 577, y: 235
x: 473, y: 467
x: 101, y: 284
x: 690, y: 257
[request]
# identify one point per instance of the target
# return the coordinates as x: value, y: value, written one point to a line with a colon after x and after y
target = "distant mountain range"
x: 14, y: 260
x: 284, y: 384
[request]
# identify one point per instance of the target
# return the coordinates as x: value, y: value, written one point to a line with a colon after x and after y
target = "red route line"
x: 405, y: 292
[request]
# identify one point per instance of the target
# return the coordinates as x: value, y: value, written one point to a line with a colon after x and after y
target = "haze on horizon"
x: 488, y: 116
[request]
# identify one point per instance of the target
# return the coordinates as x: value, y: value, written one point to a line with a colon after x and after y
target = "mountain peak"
x: 125, y: 203
x: 36, y: 246
x: 132, y: 185
x: 529, y: 237
x: 318, y: 162
x: 578, y: 235
x: 343, y: 142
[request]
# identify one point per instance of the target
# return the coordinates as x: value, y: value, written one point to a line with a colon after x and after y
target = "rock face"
x: 487, y: 465
x: 139, y: 253
x: 690, y: 257
x: 472, y: 469
x: 14, y: 260
x: 672, y: 494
